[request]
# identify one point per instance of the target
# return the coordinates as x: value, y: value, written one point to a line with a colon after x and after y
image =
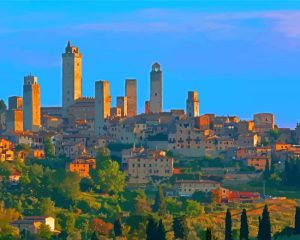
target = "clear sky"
x: 243, y: 57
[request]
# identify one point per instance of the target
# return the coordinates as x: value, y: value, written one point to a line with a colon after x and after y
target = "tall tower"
x: 192, y: 104
x: 31, y: 104
x: 14, y: 116
x: 131, y: 92
x: 156, y: 89
x: 102, y: 106
x: 122, y: 103
x: 71, y: 75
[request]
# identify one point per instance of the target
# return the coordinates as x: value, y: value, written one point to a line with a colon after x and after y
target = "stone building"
x: 131, y: 94
x: 102, y: 106
x: 14, y: 116
x: 147, y: 107
x: 31, y: 104
x: 122, y: 102
x: 71, y: 76
x: 263, y: 122
x: 15, y: 102
x: 192, y: 104
x: 32, y: 224
x: 147, y: 164
x: 82, y: 109
x: 156, y: 89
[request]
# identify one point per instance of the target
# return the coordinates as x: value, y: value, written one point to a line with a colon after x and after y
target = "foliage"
x: 47, y: 207
x: 118, y: 227
x: 160, y: 203
x: 87, y: 184
x: 208, y: 234
x: 69, y: 187
x: 155, y: 230
x: 110, y: 178
x: 49, y: 148
x: 22, y: 147
x: 44, y: 232
x: 265, y: 225
x: 228, y: 226
x: 180, y: 227
x: 297, y: 221
x: 101, y: 227
x: 244, y: 230
x: 202, y: 197
x: 192, y: 208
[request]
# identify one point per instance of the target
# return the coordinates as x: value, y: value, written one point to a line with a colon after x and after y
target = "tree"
x: 110, y: 178
x: 161, y: 231
x: 118, y: 228
x: 100, y: 227
x: 244, y: 230
x: 160, y: 204
x: 228, y: 226
x: 265, y: 225
x: 180, y: 227
x: 192, y: 208
x: 74, y: 236
x: 44, y: 232
x: 86, y: 184
x: 297, y: 221
x: 47, y: 207
x: 259, y: 234
x: 70, y: 187
x: 49, y: 148
x: 208, y: 235
x: 151, y: 229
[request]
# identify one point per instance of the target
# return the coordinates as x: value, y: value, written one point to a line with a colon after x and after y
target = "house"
x: 14, y: 177
x: 32, y: 224
x: 188, y: 187
x: 259, y: 163
x: 82, y: 165
x: 147, y: 164
x: 223, y: 195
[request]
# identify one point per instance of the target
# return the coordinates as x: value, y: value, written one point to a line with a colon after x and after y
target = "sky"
x: 243, y: 57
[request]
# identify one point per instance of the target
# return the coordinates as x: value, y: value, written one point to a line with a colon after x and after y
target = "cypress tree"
x: 161, y: 231
x: 118, y: 228
x: 208, y: 234
x: 180, y: 227
x: 151, y: 230
x: 265, y: 225
x: 297, y: 221
x: 228, y: 226
x: 259, y: 237
x: 244, y: 230
x: 160, y: 203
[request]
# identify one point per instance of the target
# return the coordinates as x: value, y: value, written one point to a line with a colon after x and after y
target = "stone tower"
x: 156, y: 89
x: 192, y: 104
x: 102, y: 106
x: 14, y: 117
x: 131, y: 94
x: 122, y: 103
x: 71, y: 76
x: 31, y: 104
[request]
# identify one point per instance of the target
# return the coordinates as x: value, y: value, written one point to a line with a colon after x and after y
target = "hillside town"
x: 223, y: 160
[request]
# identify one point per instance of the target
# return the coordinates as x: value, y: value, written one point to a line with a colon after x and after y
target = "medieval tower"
x: 31, y: 104
x: 156, y: 89
x: 71, y: 76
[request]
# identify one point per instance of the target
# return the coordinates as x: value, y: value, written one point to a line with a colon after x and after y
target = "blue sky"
x: 242, y: 57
